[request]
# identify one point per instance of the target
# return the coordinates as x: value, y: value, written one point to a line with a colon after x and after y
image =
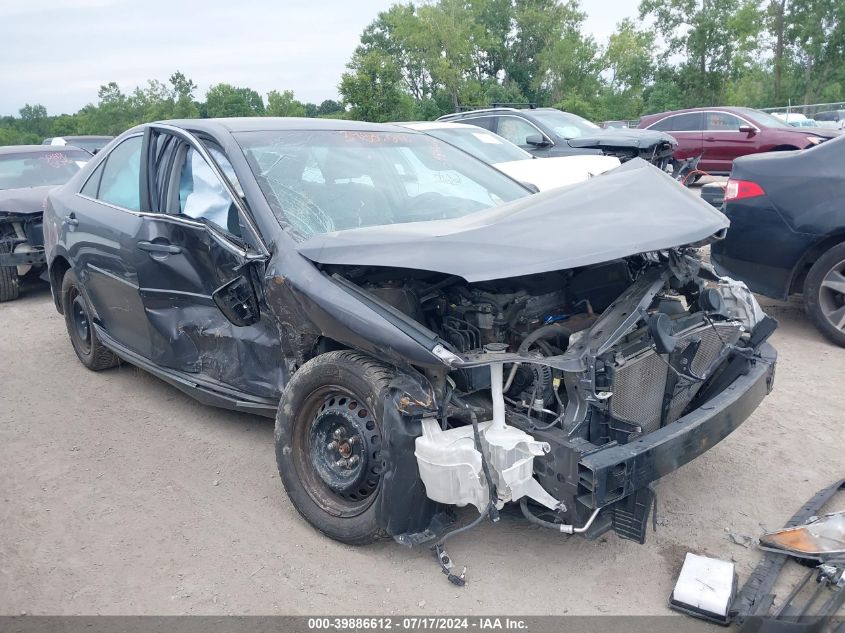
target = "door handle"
x: 710, y: 139
x: 152, y: 247
x: 71, y: 220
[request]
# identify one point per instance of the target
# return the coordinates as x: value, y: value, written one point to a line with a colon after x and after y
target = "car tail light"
x: 741, y: 189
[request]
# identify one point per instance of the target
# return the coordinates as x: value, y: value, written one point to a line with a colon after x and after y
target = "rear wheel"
x: 80, y: 327
x: 824, y: 294
x: 328, y: 443
x: 9, y: 282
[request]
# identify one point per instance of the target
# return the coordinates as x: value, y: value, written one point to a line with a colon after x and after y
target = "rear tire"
x: 80, y: 327
x: 328, y: 443
x: 824, y: 294
x: 9, y: 281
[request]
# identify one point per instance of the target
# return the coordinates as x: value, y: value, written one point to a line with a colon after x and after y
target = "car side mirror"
x: 238, y: 302
x: 748, y: 129
x: 530, y: 186
x: 537, y: 140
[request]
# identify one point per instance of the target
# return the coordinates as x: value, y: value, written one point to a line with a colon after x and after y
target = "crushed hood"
x: 24, y: 201
x: 624, y: 137
x: 632, y: 209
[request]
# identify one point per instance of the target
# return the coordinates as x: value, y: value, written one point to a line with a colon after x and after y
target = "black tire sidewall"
x: 333, y: 368
x: 9, y: 280
x: 69, y: 284
x: 812, y: 289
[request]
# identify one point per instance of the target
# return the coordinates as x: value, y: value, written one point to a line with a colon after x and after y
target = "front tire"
x: 9, y: 282
x: 824, y: 294
x: 80, y: 327
x: 328, y: 443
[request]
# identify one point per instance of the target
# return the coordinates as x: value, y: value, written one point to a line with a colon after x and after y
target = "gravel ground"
x: 120, y: 495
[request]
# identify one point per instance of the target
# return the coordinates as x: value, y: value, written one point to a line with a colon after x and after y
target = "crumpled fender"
x: 403, y: 507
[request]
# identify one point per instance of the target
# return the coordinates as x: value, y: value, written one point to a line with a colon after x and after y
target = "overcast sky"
x: 58, y: 52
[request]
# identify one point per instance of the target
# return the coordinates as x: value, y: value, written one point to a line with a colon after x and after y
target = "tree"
x: 184, y: 106
x: 225, y: 100
x: 816, y: 29
x: 372, y: 88
x: 627, y: 64
x: 153, y: 103
x: 329, y: 106
x: 283, y: 104
x: 34, y: 120
x: 112, y: 115
x: 716, y: 37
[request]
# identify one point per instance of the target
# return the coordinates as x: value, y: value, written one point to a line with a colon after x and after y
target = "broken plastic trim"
x: 756, y: 596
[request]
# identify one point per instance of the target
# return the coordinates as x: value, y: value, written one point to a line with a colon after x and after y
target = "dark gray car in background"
x: 27, y: 173
x: 379, y: 292
x: 549, y: 132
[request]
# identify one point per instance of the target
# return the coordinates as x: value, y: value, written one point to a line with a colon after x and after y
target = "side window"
x: 487, y: 122
x: 93, y: 183
x: 515, y: 130
x: 689, y: 122
x: 121, y: 177
x: 664, y: 125
x: 203, y: 196
x: 722, y: 122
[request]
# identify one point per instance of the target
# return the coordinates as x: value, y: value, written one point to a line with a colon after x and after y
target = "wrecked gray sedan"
x: 426, y: 333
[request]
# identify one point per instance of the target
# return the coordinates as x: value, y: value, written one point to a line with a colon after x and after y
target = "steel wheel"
x: 81, y: 321
x: 336, y: 454
x: 80, y: 327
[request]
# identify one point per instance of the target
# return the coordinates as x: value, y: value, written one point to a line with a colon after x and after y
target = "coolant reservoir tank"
x: 450, y: 466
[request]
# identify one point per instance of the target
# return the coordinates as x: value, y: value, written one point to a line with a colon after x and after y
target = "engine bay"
x: 548, y: 368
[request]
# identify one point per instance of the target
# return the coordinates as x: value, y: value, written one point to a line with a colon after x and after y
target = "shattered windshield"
x: 489, y: 147
x: 36, y: 169
x: 564, y: 124
x: 323, y: 181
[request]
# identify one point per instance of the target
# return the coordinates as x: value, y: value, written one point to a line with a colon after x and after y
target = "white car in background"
x: 796, y: 119
x: 542, y: 173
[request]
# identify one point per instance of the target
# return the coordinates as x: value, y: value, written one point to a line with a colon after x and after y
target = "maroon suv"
x: 719, y: 135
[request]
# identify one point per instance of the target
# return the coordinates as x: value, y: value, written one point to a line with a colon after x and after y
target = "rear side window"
x: 93, y: 183
x: 487, y: 122
x: 120, y: 183
x: 689, y: 122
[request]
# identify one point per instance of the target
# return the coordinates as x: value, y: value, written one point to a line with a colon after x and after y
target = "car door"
x: 723, y: 141
x: 687, y: 128
x: 99, y: 229
x: 200, y: 269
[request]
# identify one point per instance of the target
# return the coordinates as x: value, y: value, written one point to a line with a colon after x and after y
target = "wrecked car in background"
x: 425, y: 332
x: 549, y: 132
x: 27, y: 173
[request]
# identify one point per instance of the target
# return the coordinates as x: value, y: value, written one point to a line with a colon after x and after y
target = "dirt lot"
x: 120, y: 495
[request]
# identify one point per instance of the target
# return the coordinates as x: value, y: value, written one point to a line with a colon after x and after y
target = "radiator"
x: 640, y: 380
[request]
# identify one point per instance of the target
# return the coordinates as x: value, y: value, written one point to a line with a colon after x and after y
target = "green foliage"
x: 419, y: 61
x: 283, y: 104
x: 225, y: 100
x: 372, y: 88
x: 330, y: 107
